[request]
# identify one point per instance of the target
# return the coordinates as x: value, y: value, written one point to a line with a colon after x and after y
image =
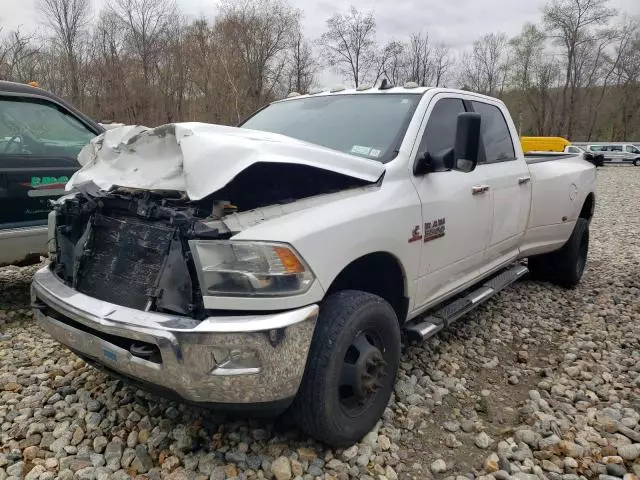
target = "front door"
x: 39, y: 143
x: 456, y: 211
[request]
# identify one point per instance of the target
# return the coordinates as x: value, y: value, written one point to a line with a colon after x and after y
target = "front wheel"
x: 636, y: 162
x: 351, y: 368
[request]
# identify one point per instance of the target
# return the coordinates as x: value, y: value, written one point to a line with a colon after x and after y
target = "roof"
x: 21, y: 89
x: 414, y: 90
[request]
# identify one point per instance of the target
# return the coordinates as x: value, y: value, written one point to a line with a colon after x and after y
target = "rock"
x: 306, y: 454
x: 30, y: 453
x: 616, y: 469
x: 551, y: 467
x: 127, y: 457
x: 218, y: 473
x: 384, y: 443
x: 132, y: 439
x: 493, y: 363
x: 350, y: 453
x: 206, y: 464
x: 99, y: 444
x: 527, y: 436
x: 35, y: 473
x: 629, y: 452
x: 87, y: 473
x: 549, y: 441
x: 483, y: 440
x: 451, y: 426
x: 491, y: 463
x: 113, y: 454
x: 390, y: 473
x: 439, y: 466
x: 142, y: 462
x: 78, y: 435
x: 281, y: 468
x: 451, y: 441
x: 570, y: 464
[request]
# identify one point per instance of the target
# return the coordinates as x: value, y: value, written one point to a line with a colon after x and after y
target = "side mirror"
x: 463, y: 157
x: 467, y: 147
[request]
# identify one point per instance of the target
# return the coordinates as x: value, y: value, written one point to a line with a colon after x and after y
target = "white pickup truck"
x: 275, y: 265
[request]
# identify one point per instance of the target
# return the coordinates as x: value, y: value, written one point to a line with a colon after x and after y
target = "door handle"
x: 523, y: 180
x: 478, y: 189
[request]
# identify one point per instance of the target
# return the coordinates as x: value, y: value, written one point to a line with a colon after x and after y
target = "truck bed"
x: 540, y: 157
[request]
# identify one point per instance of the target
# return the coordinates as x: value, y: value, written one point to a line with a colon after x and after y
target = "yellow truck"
x: 544, y: 144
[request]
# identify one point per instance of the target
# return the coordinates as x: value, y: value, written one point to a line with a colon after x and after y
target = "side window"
x: 440, y: 132
x: 496, y: 137
x: 29, y: 127
x: 616, y: 148
x: 632, y: 149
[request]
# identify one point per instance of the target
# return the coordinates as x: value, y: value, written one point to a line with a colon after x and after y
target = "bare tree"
x: 349, y: 44
x: 419, y: 59
x: 302, y: 65
x: 528, y: 49
x: 17, y: 57
x: 571, y: 23
x: 258, y: 34
x: 390, y: 63
x: 68, y: 20
x: 147, y: 23
x: 626, y: 96
x: 484, y: 68
x: 442, y: 62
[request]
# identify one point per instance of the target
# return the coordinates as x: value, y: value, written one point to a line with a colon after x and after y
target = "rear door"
x: 508, y: 178
x: 39, y: 143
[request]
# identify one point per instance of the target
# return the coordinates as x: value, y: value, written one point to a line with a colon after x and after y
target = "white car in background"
x: 617, y: 153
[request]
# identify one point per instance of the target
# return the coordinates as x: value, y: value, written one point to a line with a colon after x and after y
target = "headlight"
x: 240, y: 268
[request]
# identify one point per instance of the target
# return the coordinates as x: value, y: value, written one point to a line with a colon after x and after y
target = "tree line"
x: 575, y: 73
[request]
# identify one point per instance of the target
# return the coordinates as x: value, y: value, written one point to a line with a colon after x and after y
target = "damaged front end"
x: 130, y: 247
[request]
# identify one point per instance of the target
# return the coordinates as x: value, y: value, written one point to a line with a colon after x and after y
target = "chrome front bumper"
x: 194, y: 356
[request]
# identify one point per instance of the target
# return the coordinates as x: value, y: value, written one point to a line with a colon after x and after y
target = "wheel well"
x: 379, y: 273
x: 588, y: 207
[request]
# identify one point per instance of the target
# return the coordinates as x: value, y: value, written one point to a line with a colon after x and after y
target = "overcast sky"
x: 455, y: 22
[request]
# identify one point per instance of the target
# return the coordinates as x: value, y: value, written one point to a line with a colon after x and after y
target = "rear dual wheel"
x: 564, y: 267
x: 351, y: 368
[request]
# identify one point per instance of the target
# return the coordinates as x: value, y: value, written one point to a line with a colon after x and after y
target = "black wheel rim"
x: 363, y: 374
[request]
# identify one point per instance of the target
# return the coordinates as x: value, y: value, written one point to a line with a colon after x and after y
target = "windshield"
x: 40, y: 128
x: 366, y: 125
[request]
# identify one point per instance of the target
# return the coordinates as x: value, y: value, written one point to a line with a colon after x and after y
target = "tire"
x: 564, y: 267
x: 327, y: 409
x: 636, y: 162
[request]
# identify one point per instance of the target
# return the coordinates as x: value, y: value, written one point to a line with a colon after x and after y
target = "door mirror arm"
x: 434, y: 162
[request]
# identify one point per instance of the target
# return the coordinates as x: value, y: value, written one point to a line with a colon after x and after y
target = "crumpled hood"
x: 200, y: 158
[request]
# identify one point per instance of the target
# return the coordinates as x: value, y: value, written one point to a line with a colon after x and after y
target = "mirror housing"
x: 463, y: 157
x: 467, y: 147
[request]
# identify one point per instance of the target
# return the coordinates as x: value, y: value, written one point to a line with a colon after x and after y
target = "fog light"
x: 236, y: 361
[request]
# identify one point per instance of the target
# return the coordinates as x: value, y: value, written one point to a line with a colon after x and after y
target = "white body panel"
x: 199, y: 158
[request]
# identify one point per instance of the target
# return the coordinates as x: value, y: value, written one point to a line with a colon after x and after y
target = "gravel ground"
x: 539, y: 383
